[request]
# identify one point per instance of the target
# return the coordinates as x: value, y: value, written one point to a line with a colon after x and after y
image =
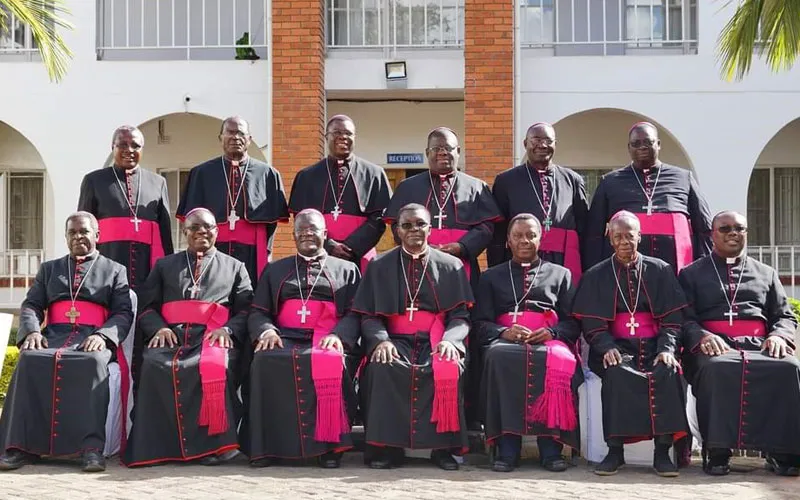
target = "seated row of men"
x: 725, y: 319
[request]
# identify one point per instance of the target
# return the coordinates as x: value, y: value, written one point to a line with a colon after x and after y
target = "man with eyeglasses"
x: 630, y: 309
x: 193, y: 317
x: 414, y: 303
x: 246, y: 195
x: 300, y: 326
x: 350, y: 191
x: 674, y: 215
x: 738, y: 351
x: 554, y: 194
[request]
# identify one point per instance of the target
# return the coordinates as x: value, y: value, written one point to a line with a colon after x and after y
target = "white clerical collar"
x: 415, y: 256
x: 88, y: 256
x: 731, y: 260
x: 316, y: 256
x: 526, y: 265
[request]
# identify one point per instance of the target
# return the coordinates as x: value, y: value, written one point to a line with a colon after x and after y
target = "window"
x: 24, y: 193
x: 176, y: 181
x: 592, y: 176
x: 661, y: 20
x: 354, y: 22
x: 773, y: 217
x: 537, y: 21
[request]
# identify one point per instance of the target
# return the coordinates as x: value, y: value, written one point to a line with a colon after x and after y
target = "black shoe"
x: 93, y: 462
x: 612, y: 463
x: 261, y: 462
x: 14, y: 459
x: 501, y: 465
x: 555, y: 464
x: 444, y: 460
x: 662, y: 464
x: 330, y: 460
x: 782, y: 469
x: 719, y: 462
x: 210, y: 460
x: 380, y: 463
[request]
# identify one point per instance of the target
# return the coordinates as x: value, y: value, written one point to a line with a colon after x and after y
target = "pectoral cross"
x: 232, y: 218
x: 303, y: 312
x: 515, y: 314
x: 633, y: 325
x: 649, y: 207
x: 730, y: 314
x: 440, y: 217
x: 136, y: 222
x: 547, y: 223
x: 336, y: 212
x: 194, y: 290
x: 73, y: 315
x: 410, y: 310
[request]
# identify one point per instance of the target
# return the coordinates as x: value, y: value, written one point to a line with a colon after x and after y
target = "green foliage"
x: 795, y: 304
x: 12, y: 355
x: 12, y: 338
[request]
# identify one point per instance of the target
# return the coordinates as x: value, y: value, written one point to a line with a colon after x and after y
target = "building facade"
x: 486, y: 69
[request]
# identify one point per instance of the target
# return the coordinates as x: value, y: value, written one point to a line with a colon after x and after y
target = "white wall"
x: 347, y: 69
x: 783, y: 149
x: 396, y: 126
x: 16, y: 151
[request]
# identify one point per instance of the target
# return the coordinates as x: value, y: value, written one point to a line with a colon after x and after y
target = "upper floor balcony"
x: 16, y: 40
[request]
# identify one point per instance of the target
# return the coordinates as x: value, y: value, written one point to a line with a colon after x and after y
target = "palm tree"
x: 45, y: 18
x: 769, y: 28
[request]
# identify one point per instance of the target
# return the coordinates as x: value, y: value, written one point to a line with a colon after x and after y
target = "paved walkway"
x: 416, y: 480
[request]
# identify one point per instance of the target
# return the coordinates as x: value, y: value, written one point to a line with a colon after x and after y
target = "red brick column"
x: 489, y: 87
x: 298, y: 93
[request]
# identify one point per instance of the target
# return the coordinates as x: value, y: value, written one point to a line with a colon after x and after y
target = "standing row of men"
x: 205, y: 333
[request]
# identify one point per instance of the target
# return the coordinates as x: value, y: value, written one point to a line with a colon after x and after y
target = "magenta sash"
x: 740, y: 327
x: 564, y: 241
x: 445, y: 412
x: 247, y: 233
x: 444, y: 236
x: 213, y: 360
x: 555, y: 408
x: 341, y: 228
x: 122, y: 229
x: 89, y: 313
x: 645, y: 326
x: 326, y: 366
x: 671, y: 224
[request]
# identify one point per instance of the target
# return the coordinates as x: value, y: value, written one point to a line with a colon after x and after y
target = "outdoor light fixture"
x: 396, y: 70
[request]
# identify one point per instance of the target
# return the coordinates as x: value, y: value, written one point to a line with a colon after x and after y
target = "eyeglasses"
x: 727, y: 229
x: 196, y: 227
x: 341, y: 133
x: 643, y: 142
x: 420, y: 224
x: 542, y: 140
x: 442, y: 149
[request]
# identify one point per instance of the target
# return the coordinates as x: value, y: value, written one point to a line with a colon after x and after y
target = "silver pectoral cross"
x: 515, y: 314
x: 410, y: 310
x: 303, y: 312
x: 440, y: 217
x: 649, y: 207
x: 633, y: 325
x: 194, y: 290
x: 730, y: 314
x: 336, y: 212
x: 232, y: 219
x: 136, y: 222
x: 547, y: 223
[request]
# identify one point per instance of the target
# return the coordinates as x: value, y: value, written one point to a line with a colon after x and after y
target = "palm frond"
x: 45, y: 18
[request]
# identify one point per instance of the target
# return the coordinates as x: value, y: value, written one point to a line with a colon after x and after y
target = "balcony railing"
x: 785, y: 260
x: 16, y: 39
x: 609, y: 27
x: 18, y: 269
x: 395, y: 23
x: 181, y: 29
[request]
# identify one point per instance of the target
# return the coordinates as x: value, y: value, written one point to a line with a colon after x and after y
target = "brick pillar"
x: 489, y: 87
x: 298, y: 94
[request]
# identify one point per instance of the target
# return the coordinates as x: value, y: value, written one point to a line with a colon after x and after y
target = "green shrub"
x: 795, y: 305
x: 12, y: 355
x: 12, y: 338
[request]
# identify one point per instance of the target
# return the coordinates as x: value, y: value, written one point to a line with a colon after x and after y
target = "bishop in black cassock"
x: 554, y: 194
x: 245, y: 195
x: 674, y: 215
x: 739, y: 340
x: 630, y: 307
x: 531, y: 373
x: 193, y: 315
x: 301, y: 324
x: 58, y: 399
x: 351, y: 192
x: 414, y: 304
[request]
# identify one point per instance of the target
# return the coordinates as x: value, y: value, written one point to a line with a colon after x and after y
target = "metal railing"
x: 18, y: 269
x: 609, y: 27
x: 181, y: 29
x: 785, y: 260
x: 395, y: 23
x: 16, y: 38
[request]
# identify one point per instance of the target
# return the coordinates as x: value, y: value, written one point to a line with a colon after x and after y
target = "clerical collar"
x: 541, y: 171
x: 633, y: 263
x: 651, y: 168
x: 320, y: 255
x: 128, y: 171
x: 82, y: 258
x: 415, y: 256
x: 334, y: 161
x: 238, y: 163
x: 208, y: 253
x: 525, y: 264
x: 731, y: 260
x: 443, y: 176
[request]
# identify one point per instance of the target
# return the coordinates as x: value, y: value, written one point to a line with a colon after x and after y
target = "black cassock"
x: 260, y: 204
x: 677, y: 232
x: 285, y: 404
x: 58, y: 398
x: 640, y: 400
x: 398, y: 398
x: 167, y: 424
x: 102, y: 195
x: 745, y: 398
x: 515, y: 375
x: 516, y: 192
x: 363, y: 192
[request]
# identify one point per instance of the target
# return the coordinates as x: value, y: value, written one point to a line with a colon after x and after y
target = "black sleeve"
x: 781, y: 319
x: 373, y: 332
x: 151, y: 295
x: 497, y: 252
x: 240, y: 299
x: 568, y: 329
x: 87, y: 202
x: 595, y: 228
x: 165, y: 220
x: 118, y: 324
x: 456, y: 326
x: 484, y: 314
x: 262, y: 308
x: 349, y: 326
x: 580, y: 210
x: 476, y: 240
x: 692, y: 332
x: 700, y: 219
x: 669, y: 332
x: 367, y: 235
x: 34, y: 306
x: 597, y: 334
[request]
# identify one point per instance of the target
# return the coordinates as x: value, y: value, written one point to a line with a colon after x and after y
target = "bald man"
x: 193, y: 316
x: 350, y: 191
x: 675, y: 218
x: 246, y: 195
x: 630, y: 307
x: 554, y: 194
x: 738, y: 345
